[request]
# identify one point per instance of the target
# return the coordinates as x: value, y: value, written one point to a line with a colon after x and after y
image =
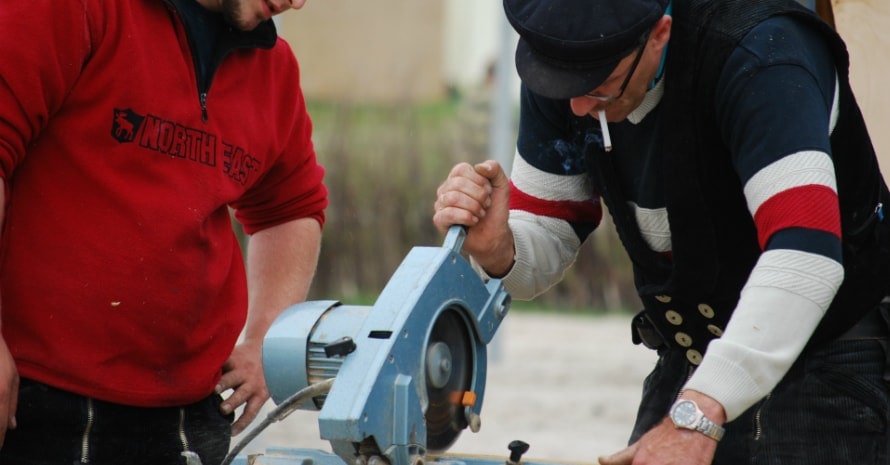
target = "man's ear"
x: 661, y: 33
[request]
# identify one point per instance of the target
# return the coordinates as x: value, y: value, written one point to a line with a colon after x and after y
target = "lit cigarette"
x: 604, y: 126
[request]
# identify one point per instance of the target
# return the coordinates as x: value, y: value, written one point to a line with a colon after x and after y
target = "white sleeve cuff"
x: 779, y: 309
x: 544, y: 248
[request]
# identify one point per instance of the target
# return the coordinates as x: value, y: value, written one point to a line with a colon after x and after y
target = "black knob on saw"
x: 343, y: 346
x: 517, y: 448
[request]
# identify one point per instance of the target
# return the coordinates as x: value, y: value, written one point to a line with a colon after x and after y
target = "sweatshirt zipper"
x: 203, y: 81
x: 85, y: 440
x: 227, y: 42
x: 203, y: 97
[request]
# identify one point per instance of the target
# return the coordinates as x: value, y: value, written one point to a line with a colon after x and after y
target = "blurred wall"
x: 863, y: 25
x: 393, y: 50
x: 386, y: 50
x: 472, y: 35
x: 408, y: 50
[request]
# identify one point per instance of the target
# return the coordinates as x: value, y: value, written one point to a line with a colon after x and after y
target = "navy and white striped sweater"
x: 776, y: 106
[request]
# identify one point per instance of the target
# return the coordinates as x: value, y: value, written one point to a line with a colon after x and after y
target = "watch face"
x: 684, y: 413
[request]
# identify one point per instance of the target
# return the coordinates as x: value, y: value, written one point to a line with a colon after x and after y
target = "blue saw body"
x: 408, y: 372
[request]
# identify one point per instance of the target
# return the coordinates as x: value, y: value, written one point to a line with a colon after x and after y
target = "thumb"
x: 622, y: 457
x: 500, y: 188
x: 493, y: 171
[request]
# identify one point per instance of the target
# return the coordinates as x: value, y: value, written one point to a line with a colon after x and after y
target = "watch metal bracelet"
x: 686, y: 414
x: 709, y: 428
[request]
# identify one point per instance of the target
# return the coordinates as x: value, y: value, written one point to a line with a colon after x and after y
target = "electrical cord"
x: 280, y: 412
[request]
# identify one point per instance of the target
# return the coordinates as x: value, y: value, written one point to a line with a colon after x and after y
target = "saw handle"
x: 455, y: 238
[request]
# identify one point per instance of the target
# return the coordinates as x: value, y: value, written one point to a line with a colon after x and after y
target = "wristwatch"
x: 686, y: 414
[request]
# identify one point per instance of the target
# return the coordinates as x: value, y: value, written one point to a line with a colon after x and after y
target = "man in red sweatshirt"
x: 128, y: 132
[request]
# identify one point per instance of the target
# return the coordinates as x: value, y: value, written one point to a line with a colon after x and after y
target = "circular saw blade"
x: 447, y: 381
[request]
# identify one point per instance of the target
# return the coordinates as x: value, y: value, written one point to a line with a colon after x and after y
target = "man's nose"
x: 583, y: 105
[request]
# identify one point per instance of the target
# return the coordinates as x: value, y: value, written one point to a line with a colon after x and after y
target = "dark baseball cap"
x: 569, y: 47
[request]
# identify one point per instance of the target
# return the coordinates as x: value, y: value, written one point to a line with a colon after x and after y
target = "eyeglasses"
x: 633, y: 67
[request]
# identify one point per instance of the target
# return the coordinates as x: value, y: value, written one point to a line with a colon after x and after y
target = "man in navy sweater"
x: 726, y: 143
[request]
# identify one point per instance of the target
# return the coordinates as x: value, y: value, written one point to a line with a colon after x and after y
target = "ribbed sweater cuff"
x: 725, y: 379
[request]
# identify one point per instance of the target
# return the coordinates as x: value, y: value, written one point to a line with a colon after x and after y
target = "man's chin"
x: 239, y: 17
x: 244, y: 24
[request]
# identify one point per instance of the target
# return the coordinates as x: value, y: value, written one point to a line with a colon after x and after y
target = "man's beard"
x: 232, y: 11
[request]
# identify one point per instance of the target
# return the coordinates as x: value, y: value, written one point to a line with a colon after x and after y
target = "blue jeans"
x: 57, y: 427
x: 832, y: 407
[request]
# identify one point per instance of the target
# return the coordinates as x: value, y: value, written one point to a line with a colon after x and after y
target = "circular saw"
x: 409, y: 372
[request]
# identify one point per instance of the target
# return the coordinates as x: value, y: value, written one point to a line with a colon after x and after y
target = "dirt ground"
x: 567, y: 385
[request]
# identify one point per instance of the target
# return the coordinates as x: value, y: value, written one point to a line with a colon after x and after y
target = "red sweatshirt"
x: 121, y: 277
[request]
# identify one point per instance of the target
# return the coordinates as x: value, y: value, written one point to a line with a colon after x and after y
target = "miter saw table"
x: 395, y: 383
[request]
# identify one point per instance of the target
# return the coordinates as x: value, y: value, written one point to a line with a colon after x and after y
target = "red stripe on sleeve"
x: 812, y: 206
x: 573, y: 211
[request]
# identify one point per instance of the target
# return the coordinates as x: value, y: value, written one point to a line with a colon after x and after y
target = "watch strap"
x: 710, y: 429
x: 702, y: 424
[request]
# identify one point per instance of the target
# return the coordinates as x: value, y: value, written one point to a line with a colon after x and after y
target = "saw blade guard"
x: 409, y: 372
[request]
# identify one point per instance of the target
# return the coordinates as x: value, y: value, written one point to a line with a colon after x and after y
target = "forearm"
x: 544, y: 248
x: 778, y: 311
x: 496, y: 260
x: 281, y: 263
